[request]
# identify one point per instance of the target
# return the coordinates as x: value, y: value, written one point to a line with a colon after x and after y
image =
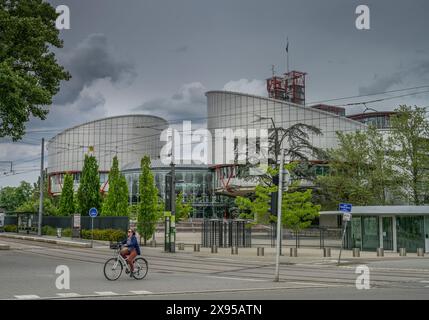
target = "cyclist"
x: 131, y: 249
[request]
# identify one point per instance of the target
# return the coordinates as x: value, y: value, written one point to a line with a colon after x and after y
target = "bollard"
x: 197, y: 247
x: 420, y: 252
x: 260, y: 251
x: 214, y: 249
x: 356, y: 252
x: 293, y: 252
x: 326, y: 252
x: 380, y: 252
x: 181, y: 246
x: 234, y: 250
x: 402, y: 252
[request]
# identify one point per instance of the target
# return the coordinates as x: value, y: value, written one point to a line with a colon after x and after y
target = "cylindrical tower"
x: 130, y: 137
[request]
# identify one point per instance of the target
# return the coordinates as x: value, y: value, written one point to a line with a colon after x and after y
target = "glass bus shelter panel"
x: 387, y: 233
x: 356, y: 234
x: 410, y: 233
x: 427, y: 234
x: 370, y: 233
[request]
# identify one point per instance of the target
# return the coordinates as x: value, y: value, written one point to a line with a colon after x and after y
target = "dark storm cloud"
x: 91, y: 60
x: 189, y: 103
x: 412, y: 74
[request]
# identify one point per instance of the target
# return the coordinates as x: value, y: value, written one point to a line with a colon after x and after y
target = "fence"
x: 226, y: 233
x: 312, y: 238
x: 119, y: 223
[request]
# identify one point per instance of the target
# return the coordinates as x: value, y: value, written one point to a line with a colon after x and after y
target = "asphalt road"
x: 28, y: 272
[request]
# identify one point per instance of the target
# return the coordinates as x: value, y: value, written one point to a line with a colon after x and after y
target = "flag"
x: 287, y: 46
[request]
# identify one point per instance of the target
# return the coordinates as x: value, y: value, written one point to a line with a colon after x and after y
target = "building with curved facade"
x: 130, y: 137
x: 194, y: 181
x: 232, y: 110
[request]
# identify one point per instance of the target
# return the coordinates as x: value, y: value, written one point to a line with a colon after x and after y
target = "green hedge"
x: 106, y: 234
x: 10, y: 228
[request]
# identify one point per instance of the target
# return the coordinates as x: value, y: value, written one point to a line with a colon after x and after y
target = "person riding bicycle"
x: 131, y: 249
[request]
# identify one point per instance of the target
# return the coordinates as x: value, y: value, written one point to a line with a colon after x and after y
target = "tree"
x: 298, y: 211
x: 67, y: 207
x: 116, y: 201
x: 409, y: 150
x: 183, y: 209
x: 360, y: 171
x: 13, y: 197
x: 149, y: 206
x: 88, y: 194
x: 29, y: 73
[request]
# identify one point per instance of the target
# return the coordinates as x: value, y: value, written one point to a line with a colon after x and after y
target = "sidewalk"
x: 305, y: 254
x: 80, y: 243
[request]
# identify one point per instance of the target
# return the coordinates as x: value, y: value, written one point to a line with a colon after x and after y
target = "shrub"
x: 105, y: 235
x: 10, y: 228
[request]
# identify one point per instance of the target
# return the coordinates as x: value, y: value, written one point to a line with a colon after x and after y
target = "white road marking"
x: 425, y: 281
x: 105, y: 293
x: 221, y: 259
x: 141, y: 292
x: 240, y: 279
x: 68, y: 294
x: 28, y: 297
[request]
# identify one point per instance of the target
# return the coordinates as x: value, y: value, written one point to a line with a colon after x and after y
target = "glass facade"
x: 365, y: 233
x: 410, y: 233
x: 128, y: 137
x: 194, y: 182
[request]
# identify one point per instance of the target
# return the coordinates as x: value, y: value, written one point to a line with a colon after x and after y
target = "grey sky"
x: 159, y: 57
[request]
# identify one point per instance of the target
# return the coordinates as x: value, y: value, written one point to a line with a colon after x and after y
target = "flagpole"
x: 287, y: 55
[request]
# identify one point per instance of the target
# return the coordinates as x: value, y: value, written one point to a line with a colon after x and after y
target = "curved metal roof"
x: 308, y: 108
x: 108, y: 118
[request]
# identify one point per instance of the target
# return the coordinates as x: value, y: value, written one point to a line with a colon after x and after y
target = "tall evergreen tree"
x: 116, y: 201
x: 88, y: 194
x: 149, y: 208
x: 67, y: 202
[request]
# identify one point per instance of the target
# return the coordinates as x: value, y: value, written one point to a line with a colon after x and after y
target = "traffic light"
x: 273, y: 203
x: 168, y: 184
x: 274, y: 197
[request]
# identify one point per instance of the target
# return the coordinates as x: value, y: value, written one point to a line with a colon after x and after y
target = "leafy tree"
x: 298, y: 211
x: 360, y: 170
x: 116, y: 201
x: 32, y: 206
x: 149, y: 206
x: 409, y: 150
x: 183, y: 209
x: 88, y: 194
x: 67, y: 206
x: 29, y: 73
x: 13, y: 197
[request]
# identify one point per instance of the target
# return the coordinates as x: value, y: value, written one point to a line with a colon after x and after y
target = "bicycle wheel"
x: 113, y: 269
x: 140, y: 268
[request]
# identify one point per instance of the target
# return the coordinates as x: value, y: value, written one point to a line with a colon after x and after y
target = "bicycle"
x: 114, y: 266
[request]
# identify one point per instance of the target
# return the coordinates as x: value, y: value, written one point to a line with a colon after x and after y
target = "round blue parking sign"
x: 93, y: 212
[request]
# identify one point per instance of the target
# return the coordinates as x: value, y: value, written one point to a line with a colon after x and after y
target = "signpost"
x: 76, y: 225
x: 1, y: 221
x: 92, y: 213
x: 346, y: 209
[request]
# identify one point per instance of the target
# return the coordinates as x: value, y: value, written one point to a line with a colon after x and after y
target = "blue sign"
x: 93, y: 212
x: 346, y: 207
